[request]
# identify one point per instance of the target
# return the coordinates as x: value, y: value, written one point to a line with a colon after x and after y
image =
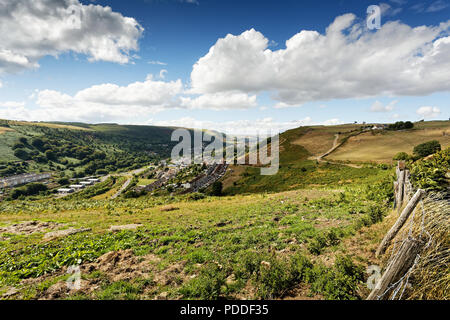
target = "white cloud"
x: 111, y: 102
x: 282, y: 105
x: 149, y: 93
x: 348, y: 61
x: 1, y: 84
x: 428, y: 112
x: 388, y: 11
x: 437, y: 6
x: 158, y: 63
x: 377, y: 106
x: 162, y: 73
x: 30, y: 30
x: 220, y: 101
x: 99, y: 103
x: 12, y: 104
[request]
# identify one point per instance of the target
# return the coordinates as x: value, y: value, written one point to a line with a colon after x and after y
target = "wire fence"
x: 429, y: 225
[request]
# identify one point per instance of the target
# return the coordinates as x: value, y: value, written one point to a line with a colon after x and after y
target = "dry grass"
x: 49, y: 125
x: 382, y: 147
x: 4, y: 129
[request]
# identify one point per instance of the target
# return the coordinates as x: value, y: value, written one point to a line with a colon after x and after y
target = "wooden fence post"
x: 397, y: 268
x: 395, y: 194
x: 401, y: 187
x: 400, y: 222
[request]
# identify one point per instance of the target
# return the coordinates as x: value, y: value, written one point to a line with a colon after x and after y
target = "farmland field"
x: 383, y: 146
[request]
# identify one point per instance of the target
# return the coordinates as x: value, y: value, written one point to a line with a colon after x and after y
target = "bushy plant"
x: 430, y: 174
x: 427, y: 148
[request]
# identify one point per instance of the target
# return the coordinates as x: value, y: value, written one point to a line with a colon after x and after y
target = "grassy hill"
x: 300, y: 147
x: 382, y: 146
x: 73, y: 146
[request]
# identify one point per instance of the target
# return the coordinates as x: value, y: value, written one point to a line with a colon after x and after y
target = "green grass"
x: 215, y: 238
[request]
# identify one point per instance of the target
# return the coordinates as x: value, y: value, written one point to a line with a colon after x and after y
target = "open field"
x: 234, y: 247
x: 319, y: 139
x: 383, y: 146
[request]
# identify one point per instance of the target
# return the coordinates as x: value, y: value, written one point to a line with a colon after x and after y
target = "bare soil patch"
x: 30, y: 227
x: 64, y: 233
x: 116, y: 266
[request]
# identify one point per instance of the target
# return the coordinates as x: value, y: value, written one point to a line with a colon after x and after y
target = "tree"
x: 427, y: 148
x: 21, y: 154
x: 23, y: 140
x: 37, y: 143
x: 400, y: 125
x: 18, y: 145
x: 50, y: 155
x: 217, y: 189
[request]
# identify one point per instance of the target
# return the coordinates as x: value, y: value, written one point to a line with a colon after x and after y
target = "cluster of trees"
x: 30, y: 189
x: 90, y: 159
x: 400, y: 125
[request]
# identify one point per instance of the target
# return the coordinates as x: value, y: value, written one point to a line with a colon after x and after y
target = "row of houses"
x: 214, y: 173
x: 77, y: 187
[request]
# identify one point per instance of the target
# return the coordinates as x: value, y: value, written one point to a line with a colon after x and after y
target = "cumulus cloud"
x: 30, y: 30
x: 348, y: 61
x: 220, y: 101
x: 111, y: 102
x: 12, y: 104
x: 1, y: 84
x: 428, y: 112
x: 377, y: 106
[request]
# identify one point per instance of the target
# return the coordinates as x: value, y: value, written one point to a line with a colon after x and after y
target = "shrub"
x: 196, y: 196
x: 217, y: 189
x: 28, y: 190
x: 401, y: 156
x: 430, y: 174
x: 427, y: 148
x: 340, y: 282
x: 207, y: 286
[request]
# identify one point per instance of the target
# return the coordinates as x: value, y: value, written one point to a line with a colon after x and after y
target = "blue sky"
x: 145, y: 74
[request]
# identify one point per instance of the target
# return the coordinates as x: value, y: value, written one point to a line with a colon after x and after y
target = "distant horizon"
x: 216, y: 130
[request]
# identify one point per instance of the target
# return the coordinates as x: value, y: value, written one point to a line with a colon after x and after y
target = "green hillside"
x: 78, y: 149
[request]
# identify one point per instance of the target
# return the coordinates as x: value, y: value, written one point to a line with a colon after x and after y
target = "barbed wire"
x: 427, y: 223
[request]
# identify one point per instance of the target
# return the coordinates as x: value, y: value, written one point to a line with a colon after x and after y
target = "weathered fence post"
x: 395, y: 194
x: 401, y: 263
x: 401, y: 184
x: 400, y: 221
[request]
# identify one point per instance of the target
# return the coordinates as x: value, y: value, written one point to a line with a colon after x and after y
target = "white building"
x: 66, y: 190
x: 76, y: 186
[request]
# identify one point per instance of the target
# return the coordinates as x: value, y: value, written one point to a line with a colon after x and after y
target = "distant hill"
x: 356, y: 144
x: 78, y: 148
